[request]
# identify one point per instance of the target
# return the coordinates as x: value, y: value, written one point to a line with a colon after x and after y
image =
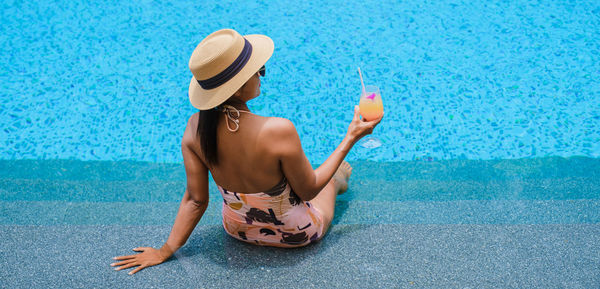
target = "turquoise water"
x: 527, y: 191
x: 460, y: 80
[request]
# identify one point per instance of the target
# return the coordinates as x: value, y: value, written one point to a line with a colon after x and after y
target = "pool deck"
x: 351, y: 256
x: 441, y: 224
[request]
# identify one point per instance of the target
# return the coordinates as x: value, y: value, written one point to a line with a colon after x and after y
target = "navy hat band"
x: 230, y: 71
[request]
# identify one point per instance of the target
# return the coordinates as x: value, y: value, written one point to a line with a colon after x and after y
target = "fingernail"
x: 114, y: 258
x: 116, y: 269
x: 129, y: 273
x: 112, y: 264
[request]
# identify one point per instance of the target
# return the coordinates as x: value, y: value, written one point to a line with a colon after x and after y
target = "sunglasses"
x: 262, y: 71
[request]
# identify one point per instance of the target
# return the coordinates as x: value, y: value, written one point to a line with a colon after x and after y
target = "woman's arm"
x: 194, y: 201
x: 192, y: 207
x: 305, y: 181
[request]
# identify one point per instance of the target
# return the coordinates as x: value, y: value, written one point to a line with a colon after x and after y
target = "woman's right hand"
x: 149, y: 257
x: 360, y: 127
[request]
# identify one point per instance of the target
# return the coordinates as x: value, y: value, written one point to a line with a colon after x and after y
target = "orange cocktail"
x: 371, y: 105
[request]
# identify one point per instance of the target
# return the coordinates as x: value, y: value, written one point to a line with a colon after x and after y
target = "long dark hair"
x: 207, y: 132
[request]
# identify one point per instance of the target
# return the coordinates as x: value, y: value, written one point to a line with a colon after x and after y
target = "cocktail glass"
x: 371, y: 108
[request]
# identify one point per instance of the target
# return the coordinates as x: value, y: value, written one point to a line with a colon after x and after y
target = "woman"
x: 271, y: 194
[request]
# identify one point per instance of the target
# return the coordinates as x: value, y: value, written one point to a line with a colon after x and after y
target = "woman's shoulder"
x: 279, y: 136
x: 193, y: 119
x: 278, y: 127
x: 189, y: 135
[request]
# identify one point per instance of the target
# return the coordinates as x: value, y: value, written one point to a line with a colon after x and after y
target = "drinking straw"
x: 362, y: 82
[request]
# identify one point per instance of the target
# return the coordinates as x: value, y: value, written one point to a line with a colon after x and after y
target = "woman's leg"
x: 324, y: 202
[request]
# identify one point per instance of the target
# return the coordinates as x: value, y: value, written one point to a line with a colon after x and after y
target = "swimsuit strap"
x: 233, y: 114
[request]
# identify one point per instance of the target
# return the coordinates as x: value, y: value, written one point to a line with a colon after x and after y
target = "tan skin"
x: 271, y: 149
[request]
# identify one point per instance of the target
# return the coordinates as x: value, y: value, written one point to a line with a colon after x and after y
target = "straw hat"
x: 222, y: 63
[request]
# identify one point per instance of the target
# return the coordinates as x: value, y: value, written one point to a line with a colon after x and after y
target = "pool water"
x: 485, y: 80
x: 488, y: 175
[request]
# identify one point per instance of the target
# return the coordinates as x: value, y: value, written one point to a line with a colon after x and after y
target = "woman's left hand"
x: 149, y: 257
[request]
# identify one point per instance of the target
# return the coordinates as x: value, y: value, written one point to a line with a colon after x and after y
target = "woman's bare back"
x: 247, y: 163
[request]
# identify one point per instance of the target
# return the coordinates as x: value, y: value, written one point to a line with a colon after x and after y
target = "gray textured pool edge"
x: 350, y: 256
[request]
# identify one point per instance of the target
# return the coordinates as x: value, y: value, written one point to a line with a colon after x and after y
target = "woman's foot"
x: 341, y: 177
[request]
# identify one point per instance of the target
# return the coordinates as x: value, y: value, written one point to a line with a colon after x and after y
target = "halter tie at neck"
x: 233, y: 114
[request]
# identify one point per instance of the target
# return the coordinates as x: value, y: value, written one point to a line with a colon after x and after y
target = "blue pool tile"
x: 516, y: 79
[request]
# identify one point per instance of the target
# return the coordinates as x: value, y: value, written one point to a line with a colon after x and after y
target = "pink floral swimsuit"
x: 277, y: 217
